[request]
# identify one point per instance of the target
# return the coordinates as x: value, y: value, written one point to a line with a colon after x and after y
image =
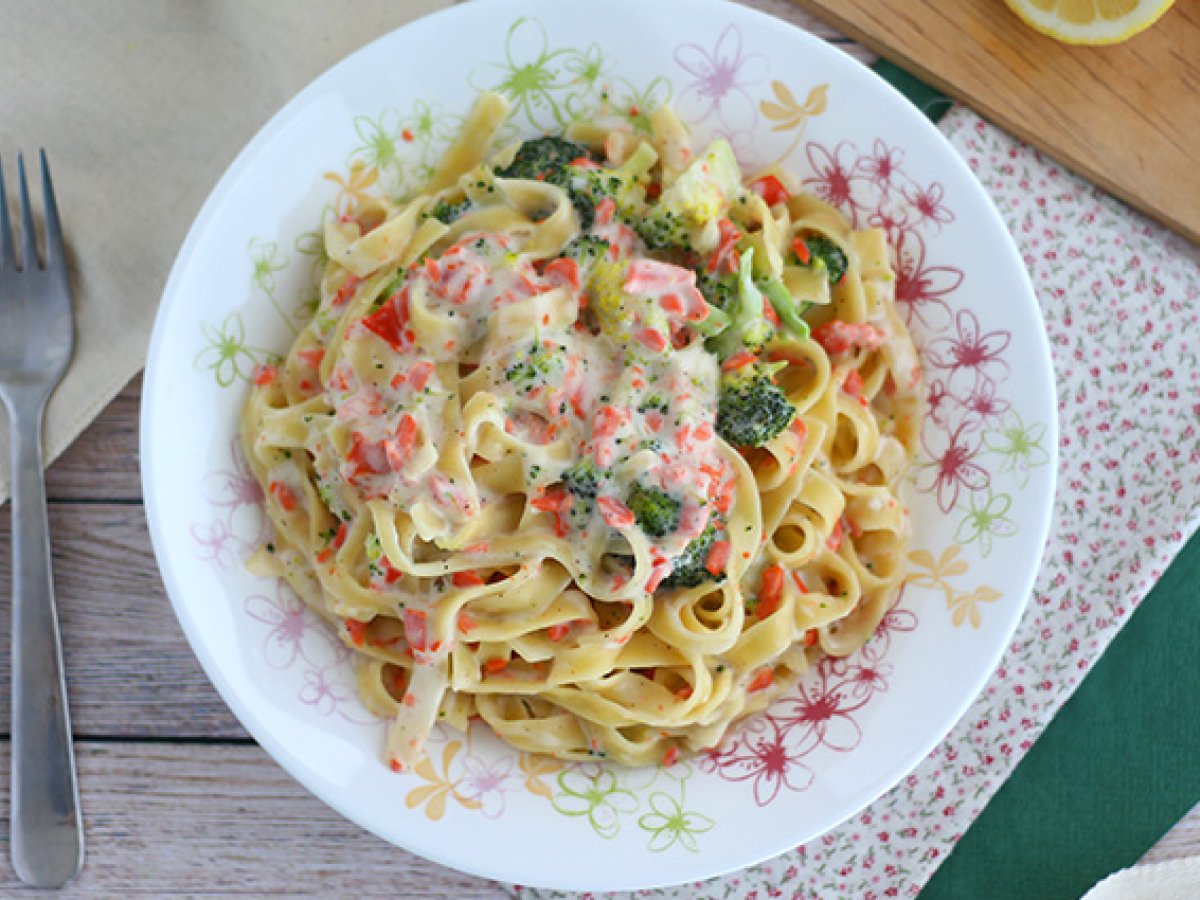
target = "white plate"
x: 980, y: 496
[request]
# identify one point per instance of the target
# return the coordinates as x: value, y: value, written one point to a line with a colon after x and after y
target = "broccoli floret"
x: 752, y: 409
x: 582, y: 480
x: 587, y: 250
x: 719, y: 290
x: 534, y: 366
x: 549, y: 159
x: 545, y: 159
x: 825, y: 253
x: 687, y: 213
x: 624, y: 185
x: 656, y: 511
x: 691, y: 566
x: 749, y: 327
x: 448, y: 212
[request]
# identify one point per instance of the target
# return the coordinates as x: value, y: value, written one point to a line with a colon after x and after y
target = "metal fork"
x: 37, y: 338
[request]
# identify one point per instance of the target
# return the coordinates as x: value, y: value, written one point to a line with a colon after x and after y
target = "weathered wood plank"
x: 103, y: 463
x: 129, y: 670
x: 1181, y: 841
x: 223, y: 821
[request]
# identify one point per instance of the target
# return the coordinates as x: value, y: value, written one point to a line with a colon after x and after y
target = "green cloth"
x: 1117, y: 766
x: 1115, y: 769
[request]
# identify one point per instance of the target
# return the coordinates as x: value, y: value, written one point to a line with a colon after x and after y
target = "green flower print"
x: 528, y: 76
x: 636, y: 106
x: 982, y: 523
x: 226, y: 353
x: 669, y: 823
x: 1020, y: 447
x: 265, y: 261
x: 588, y: 67
x: 593, y: 792
x: 380, y: 143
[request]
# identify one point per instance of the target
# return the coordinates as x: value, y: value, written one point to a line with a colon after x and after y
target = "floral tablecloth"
x: 1120, y: 296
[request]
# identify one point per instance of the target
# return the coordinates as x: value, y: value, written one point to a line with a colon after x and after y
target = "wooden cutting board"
x: 1125, y: 117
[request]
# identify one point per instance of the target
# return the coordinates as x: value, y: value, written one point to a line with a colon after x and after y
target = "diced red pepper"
x: 802, y: 252
x: 725, y: 255
x: 853, y: 384
x: 738, y: 360
x: 558, y: 631
x: 283, y: 495
x: 771, y: 189
x: 770, y: 592
x: 492, y: 666
x: 357, y: 631
x: 264, y: 375
x: 762, y: 679
x: 718, y: 557
x: 799, y: 583
x: 346, y: 291
x: 810, y: 637
x: 671, y: 756
x: 468, y: 578
x: 552, y: 500
x: 466, y: 622
x: 562, y: 271
x: 389, y: 324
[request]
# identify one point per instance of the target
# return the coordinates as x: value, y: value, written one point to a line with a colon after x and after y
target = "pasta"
x: 593, y: 440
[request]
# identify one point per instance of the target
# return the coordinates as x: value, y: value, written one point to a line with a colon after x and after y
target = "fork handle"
x: 47, y: 831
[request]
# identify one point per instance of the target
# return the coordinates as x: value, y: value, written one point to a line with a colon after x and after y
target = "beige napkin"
x: 141, y: 106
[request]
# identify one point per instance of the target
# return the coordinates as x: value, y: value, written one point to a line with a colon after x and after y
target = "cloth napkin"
x: 141, y: 107
x: 1121, y: 300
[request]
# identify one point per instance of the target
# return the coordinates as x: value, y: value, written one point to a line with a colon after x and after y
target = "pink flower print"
x: 983, y: 404
x: 217, y: 543
x: 940, y: 403
x: 764, y: 758
x: 819, y: 715
x: 832, y: 179
x: 969, y: 350
x: 487, y: 782
x: 928, y: 204
x: 883, y: 164
x: 865, y: 681
x: 954, y: 470
x: 918, y: 286
x: 895, y: 620
x: 323, y: 693
x: 722, y: 76
x: 288, y: 619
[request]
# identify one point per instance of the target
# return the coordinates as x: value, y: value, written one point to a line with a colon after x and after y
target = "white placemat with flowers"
x: 1121, y: 298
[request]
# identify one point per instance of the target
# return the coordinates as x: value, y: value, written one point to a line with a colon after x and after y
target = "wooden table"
x: 177, y: 799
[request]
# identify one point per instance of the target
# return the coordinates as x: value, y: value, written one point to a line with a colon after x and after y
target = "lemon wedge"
x: 1090, y: 21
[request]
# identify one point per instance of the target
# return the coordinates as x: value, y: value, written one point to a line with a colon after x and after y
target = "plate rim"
x: 295, y: 767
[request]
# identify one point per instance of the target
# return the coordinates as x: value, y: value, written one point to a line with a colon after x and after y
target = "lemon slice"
x: 1090, y: 21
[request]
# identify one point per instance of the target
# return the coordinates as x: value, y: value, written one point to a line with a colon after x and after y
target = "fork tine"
x: 7, y: 247
x: 54, y: 238
x: 28, y: 239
